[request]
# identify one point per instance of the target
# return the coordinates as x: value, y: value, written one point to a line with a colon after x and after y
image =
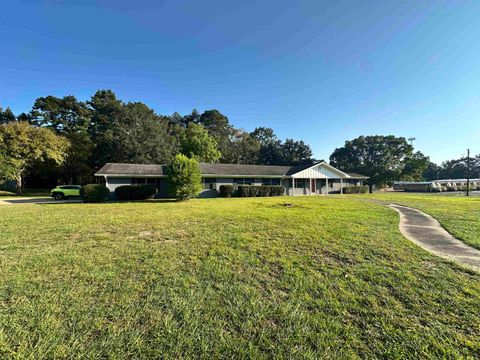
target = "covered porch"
x: 320, y: 179
x: 308, y: 186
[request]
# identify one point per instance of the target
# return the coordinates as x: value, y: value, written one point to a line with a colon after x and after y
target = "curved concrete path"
x: 427, y: 233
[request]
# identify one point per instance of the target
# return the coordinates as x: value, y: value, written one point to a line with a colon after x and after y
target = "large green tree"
x: 6, y: 116
x: 458, y: 168
x: 184, y: 177
x: 195, y: 142
x: 431, y: 172
x: 7, y: 171
x: 296, y: 152
x: 21, y: 145
x: 414, y: 167
x: 70, y: 118
x: 184, y: 121
x: 220, y: 128
x: 64, y: 115
x: 243, y: 149
x: 270, y: 152
x: 106, y: 111
x: 273, y: 152
x: 141, y: 136
x: 381, y: 158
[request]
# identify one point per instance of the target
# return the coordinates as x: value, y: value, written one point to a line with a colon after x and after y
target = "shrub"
x: 277, y: 190
x: 263, y: 190
x: 356, y: 189
x: 184, y: 177
x: 123, y: 192
x: 246, y: 191
x: 8, y: 185
x: 226, y: 190
x: 133, y: 192
x: 94, y: 193
x: 144, y: 192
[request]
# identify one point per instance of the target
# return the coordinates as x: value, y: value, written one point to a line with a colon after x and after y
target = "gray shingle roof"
x: 240, y: 169
x: 132, y: 169
x: 119, y: 169
x: 205, y: 169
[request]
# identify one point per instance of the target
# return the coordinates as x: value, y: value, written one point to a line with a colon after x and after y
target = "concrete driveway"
x: 35, y: 200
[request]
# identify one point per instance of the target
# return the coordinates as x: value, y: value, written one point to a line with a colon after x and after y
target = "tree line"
x: 64, y: 140
x: 385, y: 159
x: 106, y: 129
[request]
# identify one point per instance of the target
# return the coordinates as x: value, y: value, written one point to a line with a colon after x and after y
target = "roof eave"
x: 131, y: 175
x: 244, y: 176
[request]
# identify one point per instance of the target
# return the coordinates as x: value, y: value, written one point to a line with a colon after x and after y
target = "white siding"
x: 319, y: 172
x: 113, y: 183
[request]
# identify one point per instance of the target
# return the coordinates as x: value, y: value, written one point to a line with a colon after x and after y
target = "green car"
x: 65, y: 191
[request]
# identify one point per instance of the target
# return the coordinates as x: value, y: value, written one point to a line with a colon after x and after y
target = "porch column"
x: 293, y: 186
x: 327, y: 184
x: 341, y: 186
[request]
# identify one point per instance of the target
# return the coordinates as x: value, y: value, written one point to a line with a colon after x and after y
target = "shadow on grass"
x: 39, y: 201
x: 109, y: 202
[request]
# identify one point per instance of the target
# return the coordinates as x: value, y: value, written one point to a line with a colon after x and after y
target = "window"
x: 151, y: 181
x: 209, y: 183
x: 268, y: 181
x: 144, y: 181
x: 300, y: 183
x: 70, y: 187
x: 138, y: 181
x: 245, y: 181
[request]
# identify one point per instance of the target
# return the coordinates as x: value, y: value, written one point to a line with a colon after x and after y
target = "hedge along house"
x: 320, y: 178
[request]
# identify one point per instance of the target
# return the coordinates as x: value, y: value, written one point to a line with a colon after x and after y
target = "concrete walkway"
x: 427, y: 233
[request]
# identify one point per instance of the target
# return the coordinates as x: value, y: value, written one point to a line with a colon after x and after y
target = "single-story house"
x: 320, y: 178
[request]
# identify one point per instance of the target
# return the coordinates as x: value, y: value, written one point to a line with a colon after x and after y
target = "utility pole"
x: 468, y: 172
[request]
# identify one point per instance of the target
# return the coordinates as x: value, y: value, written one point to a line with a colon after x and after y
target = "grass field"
x: 460, y: 215
x: 234, y: 278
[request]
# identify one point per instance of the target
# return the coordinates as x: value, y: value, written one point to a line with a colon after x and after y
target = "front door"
x: 313, y: 186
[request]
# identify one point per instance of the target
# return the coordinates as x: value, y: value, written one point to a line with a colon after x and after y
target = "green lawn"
x: 460, y: 215
x: 330, y: 277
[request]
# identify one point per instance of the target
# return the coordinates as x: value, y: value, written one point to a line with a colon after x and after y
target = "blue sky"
x: 321, y: 71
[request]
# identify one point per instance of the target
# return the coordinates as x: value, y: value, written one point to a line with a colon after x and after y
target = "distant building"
x: 437, y: 185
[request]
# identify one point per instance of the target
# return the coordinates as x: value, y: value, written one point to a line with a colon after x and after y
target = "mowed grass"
x: 330, y: 277
x: 460, y: 215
